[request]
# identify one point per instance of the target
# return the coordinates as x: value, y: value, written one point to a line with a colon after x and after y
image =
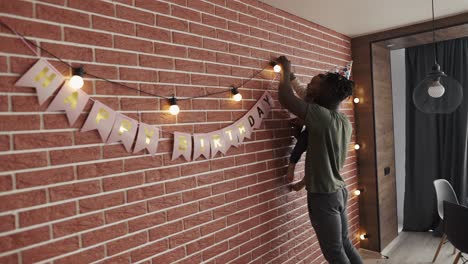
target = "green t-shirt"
x: 329, y: 136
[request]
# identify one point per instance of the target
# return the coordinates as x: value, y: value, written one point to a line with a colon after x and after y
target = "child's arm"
x: 299, y: 88
x: 285, y: 92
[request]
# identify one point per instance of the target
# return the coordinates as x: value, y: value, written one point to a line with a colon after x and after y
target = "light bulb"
x: 276, y: 68
x: 76, y: 82
x: 174, y: 109
x: 356, y: 100
x: 237, y: 97
x: 356, y: 146
x: 357, y: 192
x: 436, y: 89
x: 363, y: 236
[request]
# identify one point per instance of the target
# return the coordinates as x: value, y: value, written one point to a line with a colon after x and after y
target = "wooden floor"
x: 412, y: 248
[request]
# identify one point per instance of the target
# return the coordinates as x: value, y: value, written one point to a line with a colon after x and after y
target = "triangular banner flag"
x: 44, y: 77
x: 124, y: 130
x: 148, y: 138
x: 71, y: 100
x: 101, y: 118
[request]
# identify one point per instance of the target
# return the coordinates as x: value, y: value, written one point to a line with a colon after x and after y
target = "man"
x: 329, y: 133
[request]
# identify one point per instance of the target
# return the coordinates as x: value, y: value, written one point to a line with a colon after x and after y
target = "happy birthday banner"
x: 116, y: 127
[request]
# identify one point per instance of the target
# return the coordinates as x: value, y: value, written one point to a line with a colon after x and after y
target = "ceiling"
x: 360, y: 17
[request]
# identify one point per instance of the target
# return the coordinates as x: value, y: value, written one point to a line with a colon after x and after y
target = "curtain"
x: 436, y: 144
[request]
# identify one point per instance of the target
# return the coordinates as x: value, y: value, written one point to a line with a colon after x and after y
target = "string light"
x: 364, y: 236
x: 76, y: 81
x: 174, y: 108
x: 236, y: 96
x: 275, y: 65
x: 356, y: 146
x: 356, y: 100
x: 358, y: 192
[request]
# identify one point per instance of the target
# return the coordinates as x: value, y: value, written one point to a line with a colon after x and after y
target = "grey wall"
x: 397, y: 58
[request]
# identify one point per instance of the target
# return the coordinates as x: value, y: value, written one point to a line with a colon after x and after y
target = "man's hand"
x: 285, y: 64
x: 298, y: 185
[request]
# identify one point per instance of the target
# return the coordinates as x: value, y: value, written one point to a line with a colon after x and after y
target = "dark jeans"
x: 327, y: 212
x: 300, y: 147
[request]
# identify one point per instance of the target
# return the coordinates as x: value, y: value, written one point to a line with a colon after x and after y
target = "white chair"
x: 444, y: 192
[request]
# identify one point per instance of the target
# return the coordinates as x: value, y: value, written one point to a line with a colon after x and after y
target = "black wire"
x: 433, y: 34
x: 118, y: 83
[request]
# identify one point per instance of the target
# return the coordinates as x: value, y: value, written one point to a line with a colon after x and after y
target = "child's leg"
x: 299, y: 148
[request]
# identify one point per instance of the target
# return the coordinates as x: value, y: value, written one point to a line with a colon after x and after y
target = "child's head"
x: 329, y: 90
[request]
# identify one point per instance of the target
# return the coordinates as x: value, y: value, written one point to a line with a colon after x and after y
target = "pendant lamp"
x: 437, y: 93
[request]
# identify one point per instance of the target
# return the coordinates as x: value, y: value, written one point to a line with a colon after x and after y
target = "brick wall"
x: 68, y: 198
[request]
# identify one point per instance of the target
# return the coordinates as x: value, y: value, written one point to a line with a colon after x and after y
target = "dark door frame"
x: 364, y: 75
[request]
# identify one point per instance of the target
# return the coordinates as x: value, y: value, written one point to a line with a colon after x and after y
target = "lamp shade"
x: 437, y: 93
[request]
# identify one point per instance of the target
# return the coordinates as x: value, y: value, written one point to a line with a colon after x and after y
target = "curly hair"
x: 338, y: 88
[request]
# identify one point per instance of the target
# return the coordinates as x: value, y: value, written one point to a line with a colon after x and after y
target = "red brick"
x: 198, y: 54
x: 156, y: 6
x: 153, y: 33
x: 185, y: 13
x: 179, y: 185
x: 184, y: 238
x: 179, y: 212
x: 69, y: 52
x: 28, y: 122
x: 50, y: 250
x: 196, y: 194
x: 74, y: 155
x: 202, y: 30
x: 214, y: 251
x: 227, y: 35
x: 170, y: 50
x: 198, y: 79
x: 34, y: 29
x: 125, y: 212
x: 6, y: 183
x: 103, y: 87
x: 214, y: 21
x: 114, y: 26
x: 103, y: 234
x: 119, y: 182
x: 170, y: 257
x: 87, y: 256
x: 22, y: 200
x: 19, y: 8
x: 87, y: 37
x: 77, y: 224
x: 62, y: 16
x: 165, y: 230
x: 142, y: 163
x: 4, y: 99
x: 186, y: 39
x: 122, y: 244
x: 173, y: 77
x: 7, y: 223
x: 115, y: 57
x: 74, y: 190
x: 92, y: 6
x: 190, y: 66
x: 236, y: 5
x: 149, y: 250
x: 171, y: 23
x: 46, y: 214
x: 99, y: 169
x: 26, y: 103
x: 136, y: 15
x: 134, y: 74
x: 161, y: 174
x: 226, y: 13
x: 14, y: 45
x: 227, y: 58
x: 145, y: 192
x: 138, y: 104
x: 156, y: 62
x: 127, y: 43
x: 146, y: 221
x: 101, y: 202
x: 42, y: 140
x: 25, y: 238
x: 201, y: 5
